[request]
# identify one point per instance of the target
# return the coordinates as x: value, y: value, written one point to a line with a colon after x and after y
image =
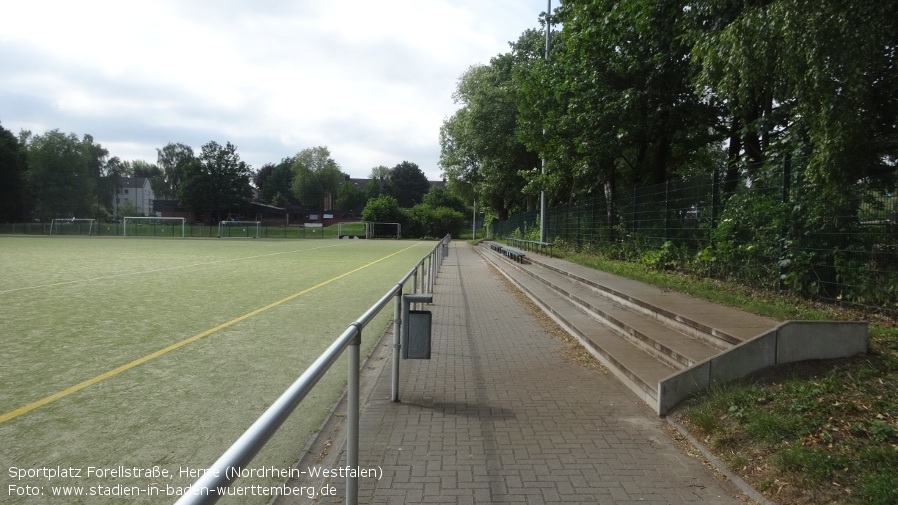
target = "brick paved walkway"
x: 497, y: 416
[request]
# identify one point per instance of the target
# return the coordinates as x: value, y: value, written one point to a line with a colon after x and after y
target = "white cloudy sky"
x: 372, y: 80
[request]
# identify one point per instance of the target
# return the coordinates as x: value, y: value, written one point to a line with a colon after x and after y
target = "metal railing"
x: 227, y: 468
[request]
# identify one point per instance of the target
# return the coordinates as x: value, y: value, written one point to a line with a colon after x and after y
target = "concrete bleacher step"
x: 635, y: 343
x: 649, y: 334
x: 721, y: 327
x: 665, y: 345
x: 638, y: 369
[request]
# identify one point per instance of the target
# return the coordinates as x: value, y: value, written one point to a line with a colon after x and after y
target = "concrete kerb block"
x: 745, y: 358
x: 678, y: 387
x: 807, y: 340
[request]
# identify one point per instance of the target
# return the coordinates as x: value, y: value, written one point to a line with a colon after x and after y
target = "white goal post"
x: 384, y: 230
x: 134, y: 226
x: 353, y: 229
x: 73, y: 226
x: 240, y: 229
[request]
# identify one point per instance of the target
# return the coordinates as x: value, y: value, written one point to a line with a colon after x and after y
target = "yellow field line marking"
x: 127, y: 366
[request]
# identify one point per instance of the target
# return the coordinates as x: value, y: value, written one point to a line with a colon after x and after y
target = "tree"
x: 439, y: 197
x: 111, y: 182
x: 173, y: 160
x: 277, y: 184
x: 383, y: 209
x: 315, y: 175
x: 407, y: 184
x: 380, y: 173
x: 217, y: 182
x: 261, y: 175
x: 350, y: 197
x: 372, y: 190
x: 156, y: 176
x: 616, y: 106
x: 13, y: 165
x: 60, y: 175
x: 480, y: 151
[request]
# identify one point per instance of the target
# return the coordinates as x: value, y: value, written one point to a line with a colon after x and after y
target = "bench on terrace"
x: 532, y: 245
x: 513, y: 254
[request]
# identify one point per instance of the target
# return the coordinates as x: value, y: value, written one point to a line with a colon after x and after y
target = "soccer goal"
x: 385, y: 230
x: 240, y: 229
x: 134, y: 226
x: 352, y: 230
x: 73, y: 226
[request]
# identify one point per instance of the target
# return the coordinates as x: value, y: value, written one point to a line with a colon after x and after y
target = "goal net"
x: 240, y: 229
x: 153, y: 226
x: 384, y: 230
x: 352, y: 230
x: 73, y: 226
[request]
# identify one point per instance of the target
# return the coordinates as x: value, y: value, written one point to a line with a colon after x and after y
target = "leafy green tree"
x: 262, y: 174
x: 407, y: 184
x: 380, y: 173
x: 315, y: 175
x: 383, y: 209
x: 814, y: 78
x: 480, y: 151
x: 60, y: 175
x: 440, y: 197
x: 372, y: 190
x: 13, y: 165
x: 173, y: 160
x: 217, y: 182
x: 350, y: 197
x: 140, y: 168
x: 111, y: 181
x: 615, y: 106
x: 273, y: 180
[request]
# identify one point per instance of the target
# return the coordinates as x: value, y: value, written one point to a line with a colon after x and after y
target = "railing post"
x: 397, y: 344
x: 430, y: 272
x: 423, y: 287
x: 352, y: 418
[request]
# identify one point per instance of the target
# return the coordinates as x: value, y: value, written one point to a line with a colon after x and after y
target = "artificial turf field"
x: 140, y: 353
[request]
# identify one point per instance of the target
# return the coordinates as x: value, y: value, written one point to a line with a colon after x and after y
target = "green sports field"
x: 133, y: 362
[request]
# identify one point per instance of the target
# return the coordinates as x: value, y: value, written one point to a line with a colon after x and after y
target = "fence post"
x: 352, y: 418
x: 715, y: 197
x: 787, y: 186
x: 397, y: 331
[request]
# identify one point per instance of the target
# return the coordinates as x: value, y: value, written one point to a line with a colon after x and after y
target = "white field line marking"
x: 127, y: 366
x: 179, y: 267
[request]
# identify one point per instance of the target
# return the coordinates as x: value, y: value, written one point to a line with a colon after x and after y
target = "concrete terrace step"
x: 643, y: 334
x: 639, y: 370
x: 697, y: 318
x: 666, y: 346
x: 666, y: 343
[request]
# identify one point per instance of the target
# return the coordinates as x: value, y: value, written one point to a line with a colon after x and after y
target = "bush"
x: 422, y: 220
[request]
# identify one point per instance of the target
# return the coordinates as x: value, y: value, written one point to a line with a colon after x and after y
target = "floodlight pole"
x: 542, y: 193
x: 474, y: 222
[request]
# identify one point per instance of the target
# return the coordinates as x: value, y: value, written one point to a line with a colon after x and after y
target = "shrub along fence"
x: 770, y: 226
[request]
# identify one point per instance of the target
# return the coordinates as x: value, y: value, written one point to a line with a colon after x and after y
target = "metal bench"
x: 532, y: 245
x: 513, y: 254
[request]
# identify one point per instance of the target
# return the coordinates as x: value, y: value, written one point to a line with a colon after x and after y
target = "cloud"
x: 371, y: 80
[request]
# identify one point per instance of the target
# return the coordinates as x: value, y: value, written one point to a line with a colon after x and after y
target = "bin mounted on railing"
x: 416, y: 327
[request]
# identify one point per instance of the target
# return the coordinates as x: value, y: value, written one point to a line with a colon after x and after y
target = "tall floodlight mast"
x: 542, y: 193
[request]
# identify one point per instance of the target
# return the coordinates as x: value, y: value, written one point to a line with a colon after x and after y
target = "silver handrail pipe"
x: 210, y: 486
